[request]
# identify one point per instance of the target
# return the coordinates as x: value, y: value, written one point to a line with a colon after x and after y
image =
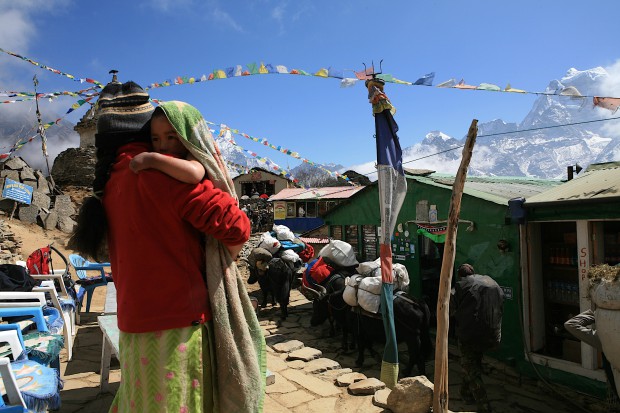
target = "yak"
x: 411, y: 320
x: 275, y: 277
x: 328, y: 304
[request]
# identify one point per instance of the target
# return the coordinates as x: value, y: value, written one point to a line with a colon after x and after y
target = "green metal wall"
x: 478, y: 247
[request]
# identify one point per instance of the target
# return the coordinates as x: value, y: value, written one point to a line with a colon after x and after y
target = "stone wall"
x: 10, y: 247
x: 75, y: 166
x: 47, y: 209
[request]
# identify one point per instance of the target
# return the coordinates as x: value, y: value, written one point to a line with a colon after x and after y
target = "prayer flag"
x: 392, y: 191
x: 426, y: 80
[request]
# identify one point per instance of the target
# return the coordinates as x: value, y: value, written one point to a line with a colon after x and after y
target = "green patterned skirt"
x: 167, y: 371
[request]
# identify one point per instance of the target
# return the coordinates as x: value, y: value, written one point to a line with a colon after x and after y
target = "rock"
x: 28, y: 213
x: 40, y: 199
x: 333, y: 374
x: 66, y: 224
x: 411, y: 395
x: 49, y: 219
x: 7, y: 205
x: 274, y: 339
x: 346, y: 380
x: 288, y: 346
x: 75, y: 166
x: 15, y: 163
x: 296, y: 364
x: 42, y: 184
x: 305, y: 354
x: 366, y: 386
x: 380, y: 398
x: 320, y: 365
x: 64, y: 206
x: 7, y: 173
x: 27, y: 174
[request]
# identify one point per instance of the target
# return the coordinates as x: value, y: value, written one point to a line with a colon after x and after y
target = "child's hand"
x: 140, y: 162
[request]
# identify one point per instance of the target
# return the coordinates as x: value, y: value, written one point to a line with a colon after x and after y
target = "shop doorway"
x: 431, y: 256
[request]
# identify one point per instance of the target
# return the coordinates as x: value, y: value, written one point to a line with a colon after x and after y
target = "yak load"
x: 273, y: 263
x: 347, y: 294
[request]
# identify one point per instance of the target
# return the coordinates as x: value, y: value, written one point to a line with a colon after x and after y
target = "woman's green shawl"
x: 239, y: 342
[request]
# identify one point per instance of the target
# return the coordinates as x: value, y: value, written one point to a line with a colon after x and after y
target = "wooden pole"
x: 440, y: 397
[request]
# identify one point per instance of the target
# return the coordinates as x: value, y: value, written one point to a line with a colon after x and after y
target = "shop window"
x: 560, y: 282
x: 311, y: 209
x: 352, y: 237
x: 301, y: 210
x: 322, y: 207
x: 611, y: 242
x: 336, y: 232
x: 291, y: 212
x: 369, y: 241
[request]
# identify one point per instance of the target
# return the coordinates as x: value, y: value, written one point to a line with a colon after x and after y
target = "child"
x: 169, y: 154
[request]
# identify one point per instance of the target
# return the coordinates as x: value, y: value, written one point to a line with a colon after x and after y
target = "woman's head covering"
x: 197, y: 138
x: 123, y: 114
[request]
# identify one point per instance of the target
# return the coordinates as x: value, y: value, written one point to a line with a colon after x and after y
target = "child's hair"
x: 158, y: 112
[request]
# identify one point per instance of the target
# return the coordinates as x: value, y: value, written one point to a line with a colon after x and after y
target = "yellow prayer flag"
x: 510, y: 89
x: 321, y: 73
x: 262, y: 69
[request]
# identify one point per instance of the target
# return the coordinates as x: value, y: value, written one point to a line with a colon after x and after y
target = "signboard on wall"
x: 279, y: 210
x: 17, y: 191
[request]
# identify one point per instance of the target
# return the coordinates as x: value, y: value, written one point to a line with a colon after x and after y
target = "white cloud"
x: 225, y: 18
x: 278, y: 12
x: 15, y: 30
x: 168, y: 5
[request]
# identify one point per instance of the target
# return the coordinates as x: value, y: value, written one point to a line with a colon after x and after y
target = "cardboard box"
x: 571, y: 350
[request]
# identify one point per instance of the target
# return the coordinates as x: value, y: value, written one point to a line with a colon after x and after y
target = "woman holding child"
x: 171, y: 246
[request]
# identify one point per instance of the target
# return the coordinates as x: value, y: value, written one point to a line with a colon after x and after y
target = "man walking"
x: 477, y: 304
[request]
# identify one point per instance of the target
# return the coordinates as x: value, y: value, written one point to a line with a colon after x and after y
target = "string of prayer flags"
x: 56, y: 71
x: 27, y: 96
x: 271, y: 165
x: 285, y: 151
x: 254, y: 69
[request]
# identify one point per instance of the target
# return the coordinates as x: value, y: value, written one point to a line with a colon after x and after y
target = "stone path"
x: 311, y: 372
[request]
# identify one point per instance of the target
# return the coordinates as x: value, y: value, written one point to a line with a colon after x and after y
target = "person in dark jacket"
x: 477, y: 305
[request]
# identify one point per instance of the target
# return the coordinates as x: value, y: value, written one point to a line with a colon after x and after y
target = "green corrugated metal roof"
x: 600, y: 182
x: 493, y: 189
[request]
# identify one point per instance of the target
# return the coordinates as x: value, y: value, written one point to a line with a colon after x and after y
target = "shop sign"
x: 17, y: 191
x: 279, y: 210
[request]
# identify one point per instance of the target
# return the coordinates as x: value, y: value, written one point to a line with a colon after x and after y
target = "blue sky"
x: 525, y: 43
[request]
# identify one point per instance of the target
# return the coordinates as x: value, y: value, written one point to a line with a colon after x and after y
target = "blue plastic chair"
x: 89, y: 283
x: 41, y: 386
x: 41, y: 344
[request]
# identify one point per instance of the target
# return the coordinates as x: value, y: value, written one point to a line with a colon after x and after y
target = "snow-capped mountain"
x: 511, y: 149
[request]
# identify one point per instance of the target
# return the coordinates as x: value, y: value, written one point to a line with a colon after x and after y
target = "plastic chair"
x: 41, y: 342
x: 40, y: 388
x: 66, y: 305
x: 89, y: 283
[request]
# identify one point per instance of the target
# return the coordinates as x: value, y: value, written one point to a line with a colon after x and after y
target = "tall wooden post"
x: 440, y: 398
